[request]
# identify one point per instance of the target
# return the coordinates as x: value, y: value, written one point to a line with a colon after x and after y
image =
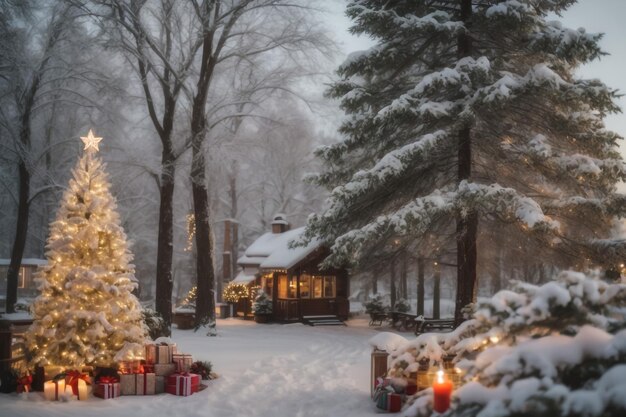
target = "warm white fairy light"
x: 191, y: 231
x: 86, y: 311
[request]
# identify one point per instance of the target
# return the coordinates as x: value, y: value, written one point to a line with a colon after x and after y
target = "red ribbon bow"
x: 72, y: 377
x: 108, y: 380
x: 23, y: 383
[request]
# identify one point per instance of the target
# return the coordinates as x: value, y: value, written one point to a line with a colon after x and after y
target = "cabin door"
x: 288, y: 308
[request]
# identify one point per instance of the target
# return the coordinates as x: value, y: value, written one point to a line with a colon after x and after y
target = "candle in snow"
x: 52, y: 389
x: 82, y: 390
x: 442, y: 392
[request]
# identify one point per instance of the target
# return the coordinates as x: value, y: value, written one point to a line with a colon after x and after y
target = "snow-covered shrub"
x: 552, y: 350
x: 375, y: 305
x: 262, y: 304
x: 402, y: 306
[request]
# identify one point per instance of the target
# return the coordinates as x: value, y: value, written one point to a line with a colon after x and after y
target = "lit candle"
x: 52, y: 389
x: 442, y: 392
x: 82, y: 390
x: 48, y: 390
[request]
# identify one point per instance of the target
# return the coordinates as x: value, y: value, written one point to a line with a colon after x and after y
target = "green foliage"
x: 262, y: 304
x: 544, y: 168
x: 202, y: 368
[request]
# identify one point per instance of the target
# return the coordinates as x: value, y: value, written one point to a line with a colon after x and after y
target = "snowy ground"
x: 266, y: 370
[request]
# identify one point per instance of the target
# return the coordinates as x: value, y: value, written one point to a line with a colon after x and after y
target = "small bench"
x: 424, y: 325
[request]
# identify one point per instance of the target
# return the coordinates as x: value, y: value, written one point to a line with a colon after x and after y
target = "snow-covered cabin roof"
x: 250, y: 260
x: 272, y: 251
x: 243, y: 278
x: 26, y: 262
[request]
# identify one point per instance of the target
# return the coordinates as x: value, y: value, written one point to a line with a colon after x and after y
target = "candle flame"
x: 440, y: 376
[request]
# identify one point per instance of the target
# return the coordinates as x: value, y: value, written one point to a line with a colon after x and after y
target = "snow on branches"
x: 86, y: 312
x: 546, y: 350
x: 417, y: 217
x: 540, y: 154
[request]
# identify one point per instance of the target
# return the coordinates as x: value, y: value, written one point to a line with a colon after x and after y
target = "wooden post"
x: 378, y: 367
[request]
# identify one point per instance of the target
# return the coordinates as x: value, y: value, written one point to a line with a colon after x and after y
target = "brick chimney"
x: 280, y: 223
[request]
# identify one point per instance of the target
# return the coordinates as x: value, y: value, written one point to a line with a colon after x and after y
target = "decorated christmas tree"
x: 86, y: 312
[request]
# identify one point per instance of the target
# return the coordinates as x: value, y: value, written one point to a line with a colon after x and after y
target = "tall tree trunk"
x: 375, y: 282
x: 227, y: 273
x: 437, y: 290
x: 497, y: 278
x: 467, y: 223
x: 392, y: 284
x: 165, y: 247
x: 404, y: 285
x: 420, y: 286
x: 234, y: 251
x: 19, y: 242
x: 205, y: 300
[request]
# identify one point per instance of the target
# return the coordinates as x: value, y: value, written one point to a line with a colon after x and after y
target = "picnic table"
x: 402, y: 320
x: 411, y: 322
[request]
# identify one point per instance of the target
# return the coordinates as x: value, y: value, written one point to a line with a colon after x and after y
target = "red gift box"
x: 182, y: 384
x: 72, y: 377
x: 107, y: 387
x: 24, y: 383
x: 183, y: 362
x: 394, y: 403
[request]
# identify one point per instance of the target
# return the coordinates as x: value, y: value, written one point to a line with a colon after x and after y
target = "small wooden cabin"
x: 292, y: 277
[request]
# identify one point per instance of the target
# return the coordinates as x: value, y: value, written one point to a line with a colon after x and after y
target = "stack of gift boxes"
x: 163, y: 370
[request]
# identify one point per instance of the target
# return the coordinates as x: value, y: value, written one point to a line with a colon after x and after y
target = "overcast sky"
x: 604, y: 16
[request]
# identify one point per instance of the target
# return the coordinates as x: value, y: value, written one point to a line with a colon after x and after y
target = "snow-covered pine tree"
x: 552, y: 350
x: 468, y: 110
x: 86, y: 312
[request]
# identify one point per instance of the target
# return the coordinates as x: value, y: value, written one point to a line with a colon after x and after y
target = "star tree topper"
x: 90, y: 141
